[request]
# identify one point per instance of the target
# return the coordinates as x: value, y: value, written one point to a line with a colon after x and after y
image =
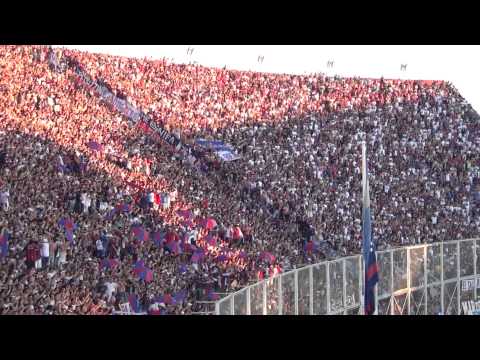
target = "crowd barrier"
x: 429, y: 279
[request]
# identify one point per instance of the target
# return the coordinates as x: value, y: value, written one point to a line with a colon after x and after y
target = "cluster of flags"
x: 4, y: 244
x: 69, y: 227
x: 143, y: 272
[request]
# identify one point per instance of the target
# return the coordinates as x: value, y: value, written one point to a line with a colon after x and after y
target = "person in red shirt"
x: 32, y: 254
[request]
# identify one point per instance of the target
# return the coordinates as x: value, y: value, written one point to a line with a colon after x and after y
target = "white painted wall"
x: 458, y: 64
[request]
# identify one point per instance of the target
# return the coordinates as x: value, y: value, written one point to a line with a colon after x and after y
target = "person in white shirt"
x: 45, y: 252
x: 4, y: 200
x: 100, y: 249
x: 111, y: 289
x: 86, y: 201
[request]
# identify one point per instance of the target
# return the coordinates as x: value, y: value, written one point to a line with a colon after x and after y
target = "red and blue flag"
x: 140, y: 233
x: 158, y: 238
x: 134, y: 303
x: 69, y: 227
x: 95, y: 146
x: 4, y: 244
x: 186, y: 214
x: 369, y: 256
x: 108, y: 264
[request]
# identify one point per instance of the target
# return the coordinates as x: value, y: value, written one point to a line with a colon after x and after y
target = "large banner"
x: 128, y: 110
x: 471, y: 307
x: 224, y: 151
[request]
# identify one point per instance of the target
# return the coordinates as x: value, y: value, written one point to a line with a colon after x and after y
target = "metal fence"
x: 427, y: 279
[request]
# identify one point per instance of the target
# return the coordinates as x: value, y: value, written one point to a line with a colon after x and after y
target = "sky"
x: 454, y: 63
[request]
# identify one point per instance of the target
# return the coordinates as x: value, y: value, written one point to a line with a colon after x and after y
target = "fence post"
x: 392, y: 285
x: 441, y: 280
x: 310, y: 275
x: 280, y: 296
x: 458, y: 278
x: 344, y: 287
x: 248, y: 301
x: 425, y: 267
x: 475, y: 268
x: 264, y: 297
x: 295, y: 278
x: 409, y: 282
x: 327, y: 271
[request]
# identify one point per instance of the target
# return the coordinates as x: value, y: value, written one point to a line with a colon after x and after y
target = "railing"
x: 425, y: 279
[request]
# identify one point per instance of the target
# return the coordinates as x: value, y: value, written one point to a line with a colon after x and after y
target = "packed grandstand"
x: 165, y: 186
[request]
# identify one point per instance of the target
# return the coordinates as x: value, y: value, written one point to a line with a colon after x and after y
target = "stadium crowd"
x: 151, y: 230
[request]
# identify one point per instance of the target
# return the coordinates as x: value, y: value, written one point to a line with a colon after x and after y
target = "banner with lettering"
x: 128, y: 110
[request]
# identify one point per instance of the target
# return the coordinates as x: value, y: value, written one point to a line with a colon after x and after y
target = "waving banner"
x: 224, y: 151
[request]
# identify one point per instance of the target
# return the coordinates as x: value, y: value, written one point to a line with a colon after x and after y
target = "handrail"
x: 400, y: 269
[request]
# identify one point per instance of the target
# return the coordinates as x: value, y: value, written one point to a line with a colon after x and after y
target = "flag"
x: 108, y: 264
x: 139, y: 267
x: 310, y: 246
x: 182, y: 269
x: 180, y: 296
x: 146, y: 275
x: 186, y: 214
x: 95, y: 146
x: 188, y: 224
x: 209, y: 223
x: 211, y: 240
x: 197, y: 256
x: 370, y: 259
x: 269, y: 257
x: 69, y: 227
x: 158, y: 238
x: 134, y: 303
x: 124, y: 207
x: 212, y: 296
x: 173, y: 247
x: 167, y: 299
x: 4, y: 244
x: 140, y: 233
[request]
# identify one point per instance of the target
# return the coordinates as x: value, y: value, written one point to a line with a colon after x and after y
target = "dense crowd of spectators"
x: 293, y: 198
